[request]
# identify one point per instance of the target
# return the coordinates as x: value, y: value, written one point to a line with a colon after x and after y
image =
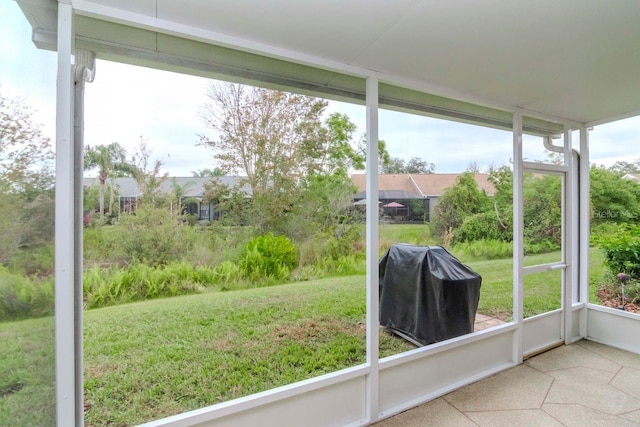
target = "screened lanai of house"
x: 543, y: 68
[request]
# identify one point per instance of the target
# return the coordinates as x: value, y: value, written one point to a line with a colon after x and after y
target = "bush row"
x: 22, y: 297
x: 264, y: 261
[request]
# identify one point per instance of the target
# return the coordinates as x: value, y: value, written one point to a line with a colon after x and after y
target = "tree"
x: 146, y: 173
x: 502, y: 180
x: 261, y: 131
x: 109, y: 160
x: 395, y: 165
x: 542, y: 209
x: 26, y: 180
x: 178, y: 192
x: 473, y: 167
x: 624, y: 167
x: 231, y: 202
x: 334, y: 148
x: 26, y: 158
x: 613, y: 199
x: 263, y: 135
x: 462, y: 200
x: 415, y: 165
x: 278, y: 141
x: 207, y: 173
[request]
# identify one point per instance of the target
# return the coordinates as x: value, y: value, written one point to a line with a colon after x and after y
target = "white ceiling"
x: 577, y: 60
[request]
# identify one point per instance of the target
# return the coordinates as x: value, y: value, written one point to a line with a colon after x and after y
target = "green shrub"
x: 33, y: 261
x: 484, y: 249
x: 622, y: 250
x: 22, y: 297
x: 540, y: 247
x: 268, y: 256
x: 481, y: 226
x: 610, y: 287
x: 153, y: 236
x: 137, y: 282
x: 632, y: 292
x: 458, y: 202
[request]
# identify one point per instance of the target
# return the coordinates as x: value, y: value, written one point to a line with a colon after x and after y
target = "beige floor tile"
x: 628, y: 381
x: 435, y: 413
x: 590, y: 387
x: 523, y: 417
x: 482, y: 317
x: 518, y: 388
x: 571, y: 356
x: 632, y: 416
x: 621, y: 357
x: 580, y: 416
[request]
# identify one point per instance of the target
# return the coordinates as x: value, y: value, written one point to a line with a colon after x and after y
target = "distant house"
x: 194, y: 188
x: 633, y: 177
x: 405, y: 189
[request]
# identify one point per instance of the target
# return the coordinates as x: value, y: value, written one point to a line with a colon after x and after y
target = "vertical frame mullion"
x: 518, y: 238
x: 64, y: 223
x: 567, y: 244
x: 585, y: 229
x: 372, y: 249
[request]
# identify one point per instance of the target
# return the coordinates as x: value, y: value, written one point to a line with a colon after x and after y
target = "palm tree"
x: 109, y: 160
x: 179, y: 192
x: 208, y: 173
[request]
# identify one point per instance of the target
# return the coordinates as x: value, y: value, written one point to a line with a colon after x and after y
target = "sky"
x: 127, y: 103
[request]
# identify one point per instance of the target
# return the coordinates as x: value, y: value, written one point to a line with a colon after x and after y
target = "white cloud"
x: 126, y: 102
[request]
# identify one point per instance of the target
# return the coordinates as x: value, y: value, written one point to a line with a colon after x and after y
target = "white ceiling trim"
x: 97, y: 11
x: 93, y: 10
x: 613, y: 119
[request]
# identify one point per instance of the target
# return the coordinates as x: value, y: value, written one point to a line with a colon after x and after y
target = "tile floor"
x: 584, y: 384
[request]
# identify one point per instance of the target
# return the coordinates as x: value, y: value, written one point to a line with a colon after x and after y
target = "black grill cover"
x: 426, y: 293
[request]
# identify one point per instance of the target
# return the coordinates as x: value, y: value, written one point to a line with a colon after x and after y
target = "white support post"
x: 518, y: 238
x: 84, y: 71
x: 373, y: 290
x: 567, y: 237
x: 64, y: 224
x: 575, y: 237
x: 585, y: 228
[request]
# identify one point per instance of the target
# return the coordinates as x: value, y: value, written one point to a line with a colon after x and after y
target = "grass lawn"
x: 541, y: 291
x: 27, y: 373
x: 152, y: 359
x: 417, y: 234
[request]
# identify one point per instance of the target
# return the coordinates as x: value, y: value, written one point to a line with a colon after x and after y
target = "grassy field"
x: 417, y: 234
x: 27, y: 393
x: 149, y: 360
x: 152, y: 359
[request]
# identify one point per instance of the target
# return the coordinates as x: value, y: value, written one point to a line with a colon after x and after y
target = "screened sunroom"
x: 545, y: 71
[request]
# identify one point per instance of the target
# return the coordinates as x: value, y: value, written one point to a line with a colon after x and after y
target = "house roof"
x: 389, y: 195
x: 436, y: 183
x: 396, y: 182
x: 633, y: 176
x: 417, y: 185
x: 570, y: 61
x: 193, y: 186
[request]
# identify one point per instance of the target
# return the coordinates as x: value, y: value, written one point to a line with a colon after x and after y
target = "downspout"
x: 547, y: 141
